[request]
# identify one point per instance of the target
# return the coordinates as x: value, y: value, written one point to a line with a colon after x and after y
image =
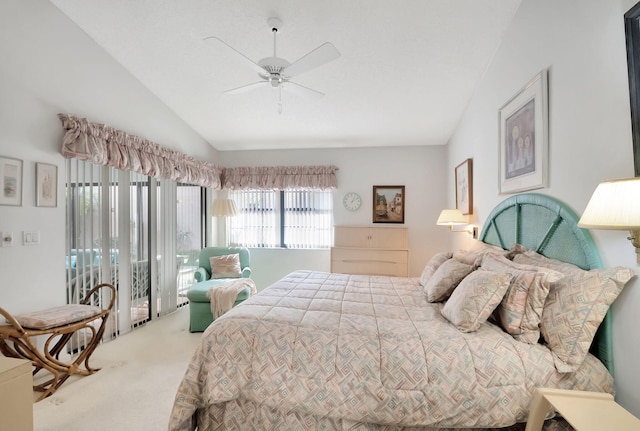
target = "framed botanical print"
x: 46, y: 185
x: 10, y: 181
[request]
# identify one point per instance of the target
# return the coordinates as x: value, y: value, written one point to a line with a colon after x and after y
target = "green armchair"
x: 200, y: 316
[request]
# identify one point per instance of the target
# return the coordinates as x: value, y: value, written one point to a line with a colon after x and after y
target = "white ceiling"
x: 407, y: 71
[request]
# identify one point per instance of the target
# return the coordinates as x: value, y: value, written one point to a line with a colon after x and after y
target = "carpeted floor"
x: 136, y: 386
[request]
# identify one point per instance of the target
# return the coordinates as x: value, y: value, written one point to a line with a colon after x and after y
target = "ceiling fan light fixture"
x: 275, y: 71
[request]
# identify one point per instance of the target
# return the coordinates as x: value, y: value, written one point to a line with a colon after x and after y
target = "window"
x: 289, y: 219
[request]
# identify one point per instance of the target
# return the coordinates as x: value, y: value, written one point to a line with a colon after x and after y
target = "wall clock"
x: 352, y: 201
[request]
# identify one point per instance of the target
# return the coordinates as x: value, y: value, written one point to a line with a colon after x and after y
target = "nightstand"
x: 16, y: 394
x: 585, y: 411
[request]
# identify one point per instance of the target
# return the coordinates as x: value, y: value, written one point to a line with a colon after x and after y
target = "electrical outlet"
x: 7, y: 239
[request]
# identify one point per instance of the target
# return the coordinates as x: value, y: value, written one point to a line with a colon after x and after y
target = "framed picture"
x: 10, y: 181
x: 464, y: 186
x: 524, y: 145
x: 46, y: 185
x: 388, y: 204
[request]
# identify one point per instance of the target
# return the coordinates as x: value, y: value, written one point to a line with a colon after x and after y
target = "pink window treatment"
x: 106, y: 146
x: 280, y: 178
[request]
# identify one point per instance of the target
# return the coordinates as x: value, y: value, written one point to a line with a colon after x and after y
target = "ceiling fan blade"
x: 319, y: 56
x: 245, y: 88
x: 302, y: 90
x: 216, y: 42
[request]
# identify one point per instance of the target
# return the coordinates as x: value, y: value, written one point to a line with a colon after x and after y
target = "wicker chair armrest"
x: 100, y: 286
x: 11, y: 321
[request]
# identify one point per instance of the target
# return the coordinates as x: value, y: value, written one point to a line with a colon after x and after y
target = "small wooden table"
x: 585, y: 411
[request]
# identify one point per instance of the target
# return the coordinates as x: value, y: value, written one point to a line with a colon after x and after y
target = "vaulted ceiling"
x: 406, y: 72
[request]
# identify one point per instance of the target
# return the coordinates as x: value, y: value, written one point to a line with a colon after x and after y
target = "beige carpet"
x: 136, y: 386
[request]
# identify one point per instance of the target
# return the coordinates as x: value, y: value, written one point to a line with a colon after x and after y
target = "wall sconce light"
x: 453, y: 218
x: 224, y: 208
x: 614, y: 205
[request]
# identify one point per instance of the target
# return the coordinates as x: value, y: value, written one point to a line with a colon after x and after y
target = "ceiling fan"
x: 277, y: 72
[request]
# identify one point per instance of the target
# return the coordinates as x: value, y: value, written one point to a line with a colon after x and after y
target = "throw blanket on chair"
x: 223, y: 295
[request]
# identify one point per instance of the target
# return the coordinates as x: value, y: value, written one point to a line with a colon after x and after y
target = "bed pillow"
x: 520, y: 310
x: 433, y: 264
x: 226, y: 266
x: 473, y: 301
x: 445, y: 280
x: 575, y: 307
x: 475, y: 254
x: 526, y: 256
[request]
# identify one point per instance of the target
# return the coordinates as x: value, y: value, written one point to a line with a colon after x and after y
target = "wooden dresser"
x: 370, y: 250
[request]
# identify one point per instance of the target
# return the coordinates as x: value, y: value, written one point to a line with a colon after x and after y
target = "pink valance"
x: 106, y: 146
x: 279, y: 178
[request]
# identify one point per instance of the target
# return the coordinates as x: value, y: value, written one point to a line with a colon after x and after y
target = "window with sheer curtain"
x: 295, y: 219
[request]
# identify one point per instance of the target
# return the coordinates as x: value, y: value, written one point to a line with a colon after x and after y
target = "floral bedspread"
x: 332, y: 351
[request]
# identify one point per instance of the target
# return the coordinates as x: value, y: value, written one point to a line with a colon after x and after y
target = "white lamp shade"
x: 224, y: 208
x: 451, y: 218
x: 614, y: 205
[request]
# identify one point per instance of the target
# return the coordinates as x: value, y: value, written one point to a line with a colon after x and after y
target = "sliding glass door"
x: 138, y: 233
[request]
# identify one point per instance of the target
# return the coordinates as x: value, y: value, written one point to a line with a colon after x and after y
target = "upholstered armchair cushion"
x: 204, y: 271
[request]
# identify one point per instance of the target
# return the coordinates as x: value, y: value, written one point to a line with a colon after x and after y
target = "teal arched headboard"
x: 548, y: 226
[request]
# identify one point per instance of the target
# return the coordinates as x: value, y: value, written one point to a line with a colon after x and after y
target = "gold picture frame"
x: 388, y: 204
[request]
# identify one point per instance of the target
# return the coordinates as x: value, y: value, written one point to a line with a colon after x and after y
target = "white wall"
x: 422, y: 170
x: 582, y: 44
x: 49, y: 66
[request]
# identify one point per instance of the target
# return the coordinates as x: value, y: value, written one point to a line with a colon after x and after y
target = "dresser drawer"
x: 370, y: 261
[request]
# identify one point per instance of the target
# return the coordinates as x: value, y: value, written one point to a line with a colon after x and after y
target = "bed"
x: 322, y: 351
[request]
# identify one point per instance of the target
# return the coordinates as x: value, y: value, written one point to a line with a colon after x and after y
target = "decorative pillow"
x: 473, y: 301
x: 433, y: 264
x: 529, y: 257
x: 575, y: 308
x: 445, y: 279
x: 479, y: 249
x: 226, y: 266
x: 520, y: 310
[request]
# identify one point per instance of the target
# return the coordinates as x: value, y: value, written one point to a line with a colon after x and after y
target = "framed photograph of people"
x: 523, y: 163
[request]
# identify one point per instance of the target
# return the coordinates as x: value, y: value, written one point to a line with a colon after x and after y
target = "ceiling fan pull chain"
x: 280, y: 100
